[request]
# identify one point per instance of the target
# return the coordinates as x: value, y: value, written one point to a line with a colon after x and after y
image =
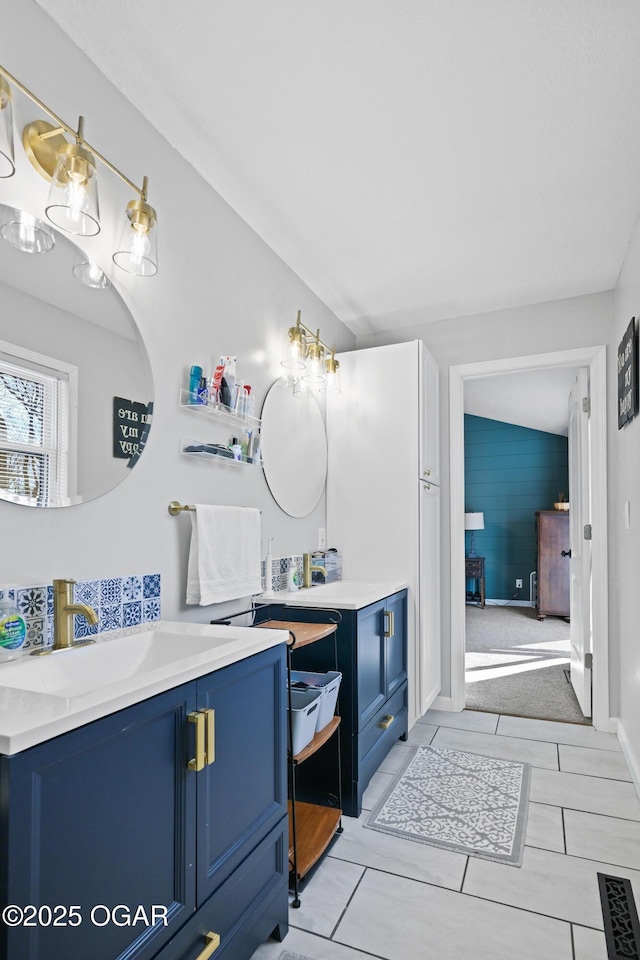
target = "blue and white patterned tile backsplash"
x: 280, y: 571
x: 118, y: 601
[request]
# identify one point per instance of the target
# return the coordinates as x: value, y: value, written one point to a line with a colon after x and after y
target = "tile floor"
x: 375, y: 895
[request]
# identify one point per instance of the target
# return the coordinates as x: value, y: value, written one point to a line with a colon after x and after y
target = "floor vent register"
x: 621, y: 926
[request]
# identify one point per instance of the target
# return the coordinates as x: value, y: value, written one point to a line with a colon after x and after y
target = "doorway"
x: 594, y: 359
x: 518, y: 655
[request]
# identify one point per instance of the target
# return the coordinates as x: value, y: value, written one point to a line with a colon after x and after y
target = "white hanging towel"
x: 224, y: 557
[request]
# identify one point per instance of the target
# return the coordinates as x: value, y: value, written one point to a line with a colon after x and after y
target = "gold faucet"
x: 63, y: 610
x: 308, y: 568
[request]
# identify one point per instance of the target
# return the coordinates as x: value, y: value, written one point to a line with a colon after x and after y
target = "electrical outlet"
x: 518, y: 583
x: 322, y: 538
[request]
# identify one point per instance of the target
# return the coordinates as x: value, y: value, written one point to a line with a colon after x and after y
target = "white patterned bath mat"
x: 459, y: 801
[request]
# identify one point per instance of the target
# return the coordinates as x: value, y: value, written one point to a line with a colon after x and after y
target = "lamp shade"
x: 73, y: 195
x: 25, y: 232
x: 7, y: 156
x: 137, y: 252
x: 474, y: 521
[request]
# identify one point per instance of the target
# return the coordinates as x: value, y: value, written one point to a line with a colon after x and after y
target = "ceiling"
x: 538, y: 399
x: 411, y: 160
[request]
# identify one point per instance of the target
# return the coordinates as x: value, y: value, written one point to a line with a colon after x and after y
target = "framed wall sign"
x: 628, y: 375
x: 130, y: 428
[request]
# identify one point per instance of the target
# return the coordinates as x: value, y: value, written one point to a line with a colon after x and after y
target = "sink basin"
x: 85, y: 669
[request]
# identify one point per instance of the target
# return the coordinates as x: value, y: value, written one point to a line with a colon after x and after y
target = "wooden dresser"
x: 552, y: 528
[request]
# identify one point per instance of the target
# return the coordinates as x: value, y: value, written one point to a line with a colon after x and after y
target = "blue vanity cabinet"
x: 110, y: 815
x: 372, y: 657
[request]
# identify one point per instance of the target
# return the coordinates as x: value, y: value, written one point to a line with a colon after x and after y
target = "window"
x: 34, y: 429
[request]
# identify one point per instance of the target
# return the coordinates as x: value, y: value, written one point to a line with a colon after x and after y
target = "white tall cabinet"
x: 383, y: 490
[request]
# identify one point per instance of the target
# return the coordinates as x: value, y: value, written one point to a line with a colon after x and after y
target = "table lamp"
x: 473, y: 521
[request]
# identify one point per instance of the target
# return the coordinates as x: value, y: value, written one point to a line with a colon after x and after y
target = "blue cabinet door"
x: 371, y: 676
x: 395, y: 657
x: 98, y: 818
x: 242, y: 795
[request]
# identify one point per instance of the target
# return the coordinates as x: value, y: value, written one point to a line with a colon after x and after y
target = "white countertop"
x: 341, y: 594
x: 42, y: 697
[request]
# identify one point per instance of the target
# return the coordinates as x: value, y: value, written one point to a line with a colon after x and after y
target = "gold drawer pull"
x: 210, y: 720
x: 386, y: 723
x: 198, y: 762
x: 427, y: 473
x: 390, y: 623
x: 213, y: 942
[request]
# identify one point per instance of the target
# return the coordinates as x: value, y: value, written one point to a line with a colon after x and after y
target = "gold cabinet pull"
x: 198, y: 761
x: 210, y: 723
x: 427, y: 473
x: 213, y: 942
x: 390, y: 623
x: 386, y: 723
x: 427, y: 486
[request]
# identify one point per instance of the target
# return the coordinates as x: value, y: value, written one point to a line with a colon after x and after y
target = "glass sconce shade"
x: 301, y: 390
x: 7, y: 156
x: 332, y: 376
x: 296, y: 350
x: 89, y: 273
x: 27, y: 233
x: 72, y: 204
x: 287, y: 380
x: 137, y: 251
x: 314, y: 372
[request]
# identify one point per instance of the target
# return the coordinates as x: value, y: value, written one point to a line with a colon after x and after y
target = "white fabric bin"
x: 327, y: 684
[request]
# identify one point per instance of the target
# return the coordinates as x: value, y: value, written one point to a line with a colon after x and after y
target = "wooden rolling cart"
x: 312, y: 826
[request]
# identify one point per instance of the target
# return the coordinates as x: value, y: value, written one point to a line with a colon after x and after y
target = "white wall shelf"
x: 224, y: 425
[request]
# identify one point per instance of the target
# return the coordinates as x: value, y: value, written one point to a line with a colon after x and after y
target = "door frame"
x: 594, y: 358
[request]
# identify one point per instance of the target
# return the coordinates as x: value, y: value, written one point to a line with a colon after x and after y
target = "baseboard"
x: 442, y: 703
x: 633, y: 760
x: 508, y: 603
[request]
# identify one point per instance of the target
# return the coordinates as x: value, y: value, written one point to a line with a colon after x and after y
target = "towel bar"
x: 175, y: 508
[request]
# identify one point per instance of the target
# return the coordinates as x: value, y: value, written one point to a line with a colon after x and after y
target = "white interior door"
x: 580, y: 562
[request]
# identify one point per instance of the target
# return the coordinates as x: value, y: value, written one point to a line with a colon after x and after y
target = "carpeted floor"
x: 515, y: 664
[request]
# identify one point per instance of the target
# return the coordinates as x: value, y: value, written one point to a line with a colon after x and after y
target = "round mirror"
x: 76, y: 388
x: 294, y: 450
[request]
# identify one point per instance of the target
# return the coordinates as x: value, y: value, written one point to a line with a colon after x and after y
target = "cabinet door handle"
x: 426, y: 486
x: 213, y: 942
x: 198, y: 761
x: 566, y: 553
x: 210, y: 722
x: 386, y: 723
x: 390, y: 624
x: 427, y: 473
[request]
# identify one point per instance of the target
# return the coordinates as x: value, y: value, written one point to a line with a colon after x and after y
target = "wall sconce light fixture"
x: 306, y: 352
x: 72, y: 203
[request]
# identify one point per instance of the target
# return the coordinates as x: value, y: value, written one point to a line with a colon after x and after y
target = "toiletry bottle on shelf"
x: 230, y: 379
x: 13, y: 630
x: 236, y: 448
x: 249, y: 402
x: 292, y: 577
x: 194, y: 383
x: 203, y: 391
x: 268, y: 571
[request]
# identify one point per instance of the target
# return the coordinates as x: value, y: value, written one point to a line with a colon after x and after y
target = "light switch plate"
x: 322, y: 538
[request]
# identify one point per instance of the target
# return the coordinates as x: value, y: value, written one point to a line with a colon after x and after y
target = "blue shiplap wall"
x: 510, y: 472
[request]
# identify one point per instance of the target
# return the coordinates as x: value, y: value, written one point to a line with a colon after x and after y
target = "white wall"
x: 219, y: 290
x: 517, y: 332
x: 626, y: 448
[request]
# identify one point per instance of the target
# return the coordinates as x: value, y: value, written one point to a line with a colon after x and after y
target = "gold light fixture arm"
x: 46, y: 132
x: 315, y: 337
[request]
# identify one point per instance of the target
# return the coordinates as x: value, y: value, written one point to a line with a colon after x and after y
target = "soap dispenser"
x: 13, y: 630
